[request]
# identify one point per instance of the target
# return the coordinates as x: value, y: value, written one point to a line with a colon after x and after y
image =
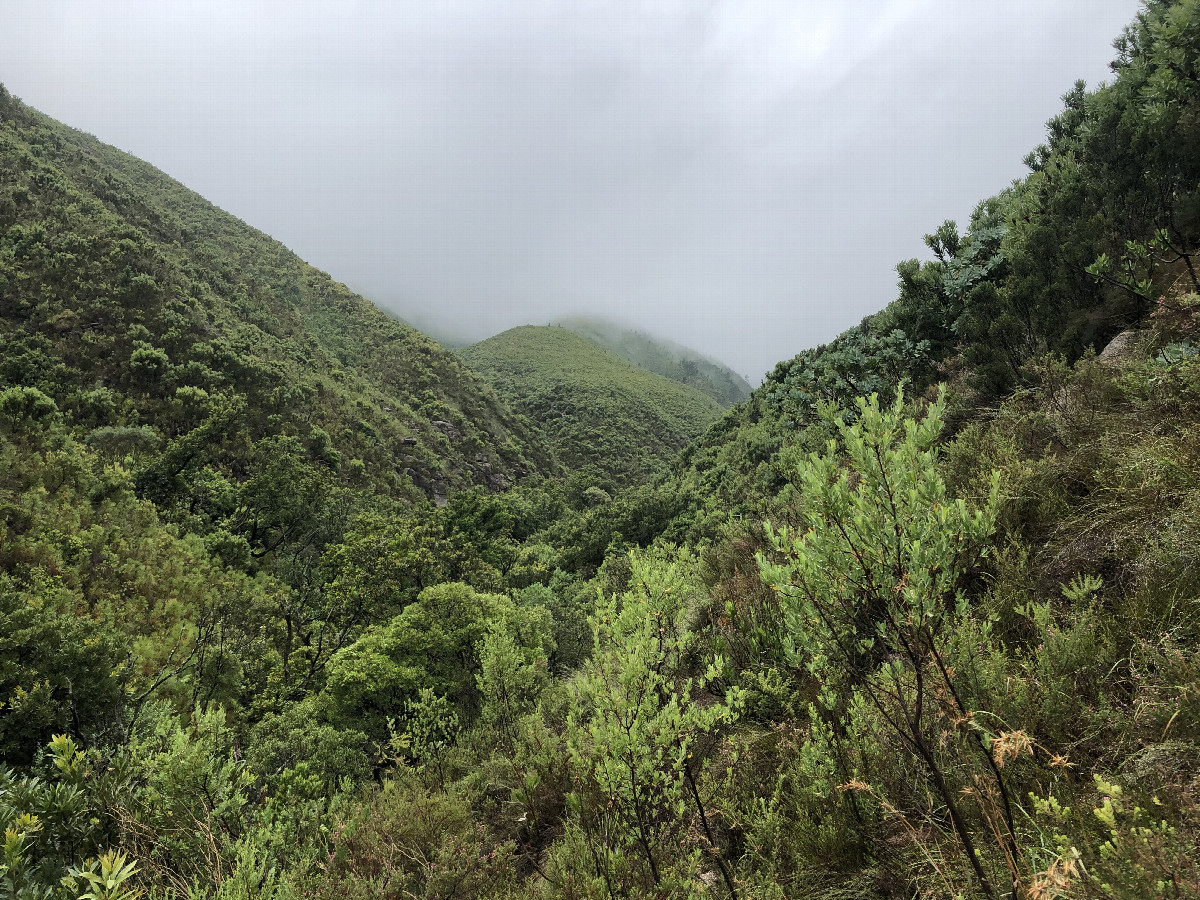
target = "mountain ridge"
x: 214, y: 305
x: 663, y: 357
x: 598, y: 410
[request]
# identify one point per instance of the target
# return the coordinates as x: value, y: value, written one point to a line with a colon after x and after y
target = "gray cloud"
x: 739, y: 175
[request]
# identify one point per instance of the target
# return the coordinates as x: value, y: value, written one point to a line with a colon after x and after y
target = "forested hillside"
x: 134, y: 304
x: 921, y: 618
x: 1099, y: 237
x: 600, y: 413
x: 664, y: 358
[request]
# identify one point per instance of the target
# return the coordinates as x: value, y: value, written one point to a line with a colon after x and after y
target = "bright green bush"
x: 635, y: 722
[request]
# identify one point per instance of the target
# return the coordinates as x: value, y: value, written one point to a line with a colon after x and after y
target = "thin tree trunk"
x: 708, y: 834
x: 960, y: 826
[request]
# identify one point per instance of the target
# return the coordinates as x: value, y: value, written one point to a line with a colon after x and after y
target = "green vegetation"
x: 921, y: 618
x: 601, y: 414
x: 165, y: 328
x: 664, y: 358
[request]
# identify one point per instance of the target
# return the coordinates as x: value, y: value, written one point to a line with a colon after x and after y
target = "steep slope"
x: 599, y: 412
x: 1101, y: 235
x: 665, y: 358
x: 131, y: 301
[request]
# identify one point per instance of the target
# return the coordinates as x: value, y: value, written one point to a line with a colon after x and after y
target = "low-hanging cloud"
x: 739, y: 175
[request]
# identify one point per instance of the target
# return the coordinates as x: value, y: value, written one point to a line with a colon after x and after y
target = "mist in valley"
x: 740, y: 177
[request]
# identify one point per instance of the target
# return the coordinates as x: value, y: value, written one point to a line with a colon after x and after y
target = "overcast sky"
x: 741, y: 176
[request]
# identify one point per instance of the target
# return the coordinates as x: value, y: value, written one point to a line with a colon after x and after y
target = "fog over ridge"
x: 737, y: 176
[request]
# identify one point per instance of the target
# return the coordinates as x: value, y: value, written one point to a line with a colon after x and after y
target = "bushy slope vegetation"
x: 599, y: 412
x: 665, y: 358
x: 937, y: 642
x: 135, y: 304
x: 1083, y: 247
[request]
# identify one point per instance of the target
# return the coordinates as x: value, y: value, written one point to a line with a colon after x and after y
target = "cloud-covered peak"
x: 741, y: 175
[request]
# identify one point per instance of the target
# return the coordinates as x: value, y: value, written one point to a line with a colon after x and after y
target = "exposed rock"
x: 446, y: 428
x: 1119, y: 349
x: 434, y: 490
x: 497, y: 482
x: 408, y: 442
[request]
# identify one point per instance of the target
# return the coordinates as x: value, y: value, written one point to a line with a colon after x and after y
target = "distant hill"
x: 133, y: 302
x: 598, y: 411
x: 664, y: 357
